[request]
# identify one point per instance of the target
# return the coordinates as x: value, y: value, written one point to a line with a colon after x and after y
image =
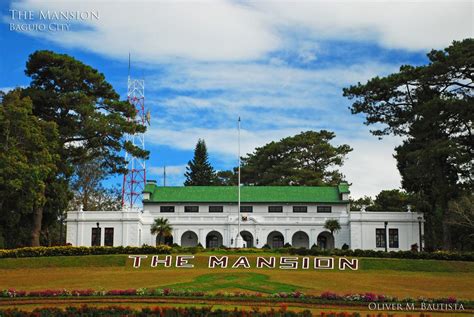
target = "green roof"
x: 249, y: 194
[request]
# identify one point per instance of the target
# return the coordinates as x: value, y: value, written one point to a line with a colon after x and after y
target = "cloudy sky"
x: 279, y: 65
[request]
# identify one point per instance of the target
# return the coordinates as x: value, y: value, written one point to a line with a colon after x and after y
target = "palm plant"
x: 332, y: 225
x: 161, y: 228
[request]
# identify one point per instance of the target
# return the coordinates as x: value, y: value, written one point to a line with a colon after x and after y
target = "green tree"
x: 462, y: 219
x: 227, y: 178
x: 89, y: 192
x: 391, y: 200
x: 357, y: 204
x: 432, y: 107
x: 332, y: 225
x: 161, y: 228
x: 307, y: 159
x: 199, y: 171
x: 28, y: 159
x: 90, y: 118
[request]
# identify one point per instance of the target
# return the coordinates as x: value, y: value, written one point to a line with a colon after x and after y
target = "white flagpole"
x: 238, y: 238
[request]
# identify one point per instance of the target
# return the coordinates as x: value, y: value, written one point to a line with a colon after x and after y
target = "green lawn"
x: 254, y: 282
x: 395, y: 277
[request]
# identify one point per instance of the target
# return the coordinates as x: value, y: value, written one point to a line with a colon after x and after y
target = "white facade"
x: 359, y: 230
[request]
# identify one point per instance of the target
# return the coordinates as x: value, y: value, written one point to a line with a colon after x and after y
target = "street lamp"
x: 420, y: 219
x: 98, y: 235
x: 386, y: 242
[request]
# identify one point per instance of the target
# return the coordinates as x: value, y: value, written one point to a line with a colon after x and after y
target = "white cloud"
x: 412, y: 25
x: 8, y: 89
x: 155, y: 31
x: 221, y: 143
x: 174, y: 174
x: 263, y: 78
x: 371, y: 167
x: 170, y: 170
x: 226, y: 48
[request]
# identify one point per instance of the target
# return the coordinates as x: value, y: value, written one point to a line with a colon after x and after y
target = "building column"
x: 312, y: 238
x: 225, y: 238
x: 177, y: 236
x: 202, y: 237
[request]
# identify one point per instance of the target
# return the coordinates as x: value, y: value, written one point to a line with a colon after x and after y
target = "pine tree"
x: 199, y: 171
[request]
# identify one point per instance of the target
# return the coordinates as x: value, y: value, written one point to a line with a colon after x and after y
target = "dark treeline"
x: 59, y: 137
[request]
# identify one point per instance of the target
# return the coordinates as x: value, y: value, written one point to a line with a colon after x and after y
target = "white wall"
x: 133, y: 227
x: 364, y: 224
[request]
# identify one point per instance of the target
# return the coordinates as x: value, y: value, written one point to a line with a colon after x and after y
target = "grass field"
x: 394, y: 277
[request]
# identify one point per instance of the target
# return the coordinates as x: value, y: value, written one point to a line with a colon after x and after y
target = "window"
x: 393, y: 238
x: 380, y: 238
x: 246, y: 208
x: 109, y: 237
x: 275, y: 208
x: 95, y: 238
x: 324, y: 209
x: 166, y: 208
x: 300, y: 208
x: 191, y: 208
x: 216, y: 208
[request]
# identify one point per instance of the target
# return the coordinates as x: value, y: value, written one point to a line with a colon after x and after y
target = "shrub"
x: 164, y: 249
x: 75, y: 251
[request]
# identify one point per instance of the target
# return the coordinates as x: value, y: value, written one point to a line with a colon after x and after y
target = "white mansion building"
x: 272, y: 215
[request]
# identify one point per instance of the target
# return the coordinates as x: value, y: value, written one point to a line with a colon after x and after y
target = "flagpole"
x: 238, y: 238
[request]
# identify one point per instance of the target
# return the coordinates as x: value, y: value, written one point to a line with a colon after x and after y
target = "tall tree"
x: 89, y: 192
x: 431, y: 106
x: 462, y: 220
x: 307, y: 158
x: 199, y: 171
x: 28, y: 159
x: 90, y: 118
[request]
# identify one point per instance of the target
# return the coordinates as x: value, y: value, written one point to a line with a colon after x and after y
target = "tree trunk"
x: 446, y: 235
x: 159, y: 238
x: 36, y: 230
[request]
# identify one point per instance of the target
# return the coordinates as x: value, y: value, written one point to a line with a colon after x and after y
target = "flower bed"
x: 176, y: 311
x: 326, y: 297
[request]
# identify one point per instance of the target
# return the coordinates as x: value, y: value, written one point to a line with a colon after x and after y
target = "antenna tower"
x: 135, y: 179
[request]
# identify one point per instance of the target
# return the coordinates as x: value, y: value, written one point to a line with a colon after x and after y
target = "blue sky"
x: 281, y: 66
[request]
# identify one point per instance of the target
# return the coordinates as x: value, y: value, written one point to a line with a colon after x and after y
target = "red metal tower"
x: 135, y: 179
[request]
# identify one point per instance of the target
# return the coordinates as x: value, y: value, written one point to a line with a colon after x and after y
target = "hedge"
x: 175, y: 312
x: 157, y: 312
x: 296, y: 296
x: 163, y: 249
x: 75, y: 251
x: 436, y: 255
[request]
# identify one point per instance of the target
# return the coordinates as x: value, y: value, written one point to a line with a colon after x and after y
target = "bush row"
x: 295, y: 296
x: 159, y: 312
x: 163, y: 249
x: 74, y: 251
x: 436, y: 255
x: 112, y: 311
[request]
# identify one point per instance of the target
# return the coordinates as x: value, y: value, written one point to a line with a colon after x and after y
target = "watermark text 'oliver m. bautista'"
x: 243, y: 262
